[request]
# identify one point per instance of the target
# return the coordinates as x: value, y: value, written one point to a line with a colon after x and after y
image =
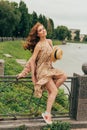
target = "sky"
x: 70, y: 13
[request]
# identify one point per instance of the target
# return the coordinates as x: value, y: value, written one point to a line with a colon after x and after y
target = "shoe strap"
x: 47, y: 113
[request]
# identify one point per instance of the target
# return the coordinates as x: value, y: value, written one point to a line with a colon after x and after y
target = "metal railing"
x: 2, y: 39
x: 17, y: 99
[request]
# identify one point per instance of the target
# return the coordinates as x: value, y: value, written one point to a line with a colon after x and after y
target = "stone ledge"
x: 22, y: 62
x: 36, y: 124
x: 7, y: 55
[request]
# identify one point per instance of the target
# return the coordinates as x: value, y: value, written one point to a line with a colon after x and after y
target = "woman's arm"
x: 30, y: 66
x: 26, y: 70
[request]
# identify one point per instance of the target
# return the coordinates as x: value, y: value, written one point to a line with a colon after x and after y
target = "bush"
x: 57, y: 126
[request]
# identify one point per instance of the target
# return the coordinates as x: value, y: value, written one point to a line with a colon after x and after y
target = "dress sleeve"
x: 26, y: 69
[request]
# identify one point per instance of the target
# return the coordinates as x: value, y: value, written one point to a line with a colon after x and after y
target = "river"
x: 74, y: 55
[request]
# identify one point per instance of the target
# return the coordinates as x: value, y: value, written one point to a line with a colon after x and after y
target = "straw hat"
x: 56, y: 54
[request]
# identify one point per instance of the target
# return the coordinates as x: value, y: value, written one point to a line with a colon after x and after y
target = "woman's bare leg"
x: 52, y: 93
x: 60, y: 80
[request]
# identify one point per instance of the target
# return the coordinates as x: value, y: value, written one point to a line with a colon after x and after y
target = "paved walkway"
x: 80, y: 129
x: 36, y: 124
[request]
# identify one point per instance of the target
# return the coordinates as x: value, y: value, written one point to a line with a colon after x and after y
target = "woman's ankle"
x: 48, y: 113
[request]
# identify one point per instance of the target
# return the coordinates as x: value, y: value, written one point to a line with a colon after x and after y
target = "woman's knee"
x: 51, y: 87
x: 64, y: 77
x: 61, y: 80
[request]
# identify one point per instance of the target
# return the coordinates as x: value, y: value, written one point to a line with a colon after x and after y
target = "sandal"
x: 47, y: 117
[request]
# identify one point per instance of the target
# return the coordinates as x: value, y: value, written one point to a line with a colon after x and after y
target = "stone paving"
x: 80, y: 129
x: 36, y: 124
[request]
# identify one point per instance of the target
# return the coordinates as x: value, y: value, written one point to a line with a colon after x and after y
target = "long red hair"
x: 33, y: 38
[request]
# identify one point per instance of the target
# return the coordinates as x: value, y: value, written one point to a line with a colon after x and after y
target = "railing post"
x: 79, y: 96
x: 74, y: 96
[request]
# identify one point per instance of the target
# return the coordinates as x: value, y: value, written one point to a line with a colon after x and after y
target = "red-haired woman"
x: 44, y: 76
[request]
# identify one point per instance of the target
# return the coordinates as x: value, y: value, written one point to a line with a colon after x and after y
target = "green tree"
x: 9, y: 18
x: 54, y: 34
x: 23, y: 27
x: 61, y: 32
x: 30, y: 21
x: 69, y: 35
x: 50, y: 28
x: 85, y: 38
x: 42, y: 19
x: 77, y: 37
x: 16, y: 11
x: 34, y: 18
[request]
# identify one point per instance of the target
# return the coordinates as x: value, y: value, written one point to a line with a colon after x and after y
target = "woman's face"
x: 41, y: 31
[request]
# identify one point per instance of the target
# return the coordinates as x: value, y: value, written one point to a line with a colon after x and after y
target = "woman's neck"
x: 43, y: 39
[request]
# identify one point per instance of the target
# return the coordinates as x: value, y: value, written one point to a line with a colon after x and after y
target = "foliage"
x: 34, y: 18
x: 57, y: 126
x: 57, y: 42
x: 77, y: 37
x: 21, y: 128
x: 50, y: 28
x: 85, y: 38
x: 61, y: 32
x: 42, y: 19
x: 9, y: 17
x: 22, y: 29
x: 17, y: 19
x: 13, y: 98
x: 17, y: 97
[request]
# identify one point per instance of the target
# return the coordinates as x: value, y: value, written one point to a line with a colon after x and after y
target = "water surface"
x: 74, y: 55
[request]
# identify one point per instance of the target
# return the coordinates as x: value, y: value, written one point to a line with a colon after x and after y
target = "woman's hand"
x: 20, y: 76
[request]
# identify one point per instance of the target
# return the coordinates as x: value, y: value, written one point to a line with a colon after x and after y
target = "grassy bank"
x: 57, y: 42
x: 15, y: 49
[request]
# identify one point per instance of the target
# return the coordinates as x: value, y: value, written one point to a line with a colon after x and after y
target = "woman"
x: 44, y: 76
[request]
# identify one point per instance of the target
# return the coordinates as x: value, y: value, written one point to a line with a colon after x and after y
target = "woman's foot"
x: 47, y: 117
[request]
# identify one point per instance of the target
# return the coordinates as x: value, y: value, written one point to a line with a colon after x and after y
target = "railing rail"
x: 2, y: 39
x: 17, y: 99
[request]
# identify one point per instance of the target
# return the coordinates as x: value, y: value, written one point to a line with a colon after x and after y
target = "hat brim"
x: 56, y: 54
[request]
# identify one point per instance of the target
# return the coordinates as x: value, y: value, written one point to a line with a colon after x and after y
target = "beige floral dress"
x: 44, y: 69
